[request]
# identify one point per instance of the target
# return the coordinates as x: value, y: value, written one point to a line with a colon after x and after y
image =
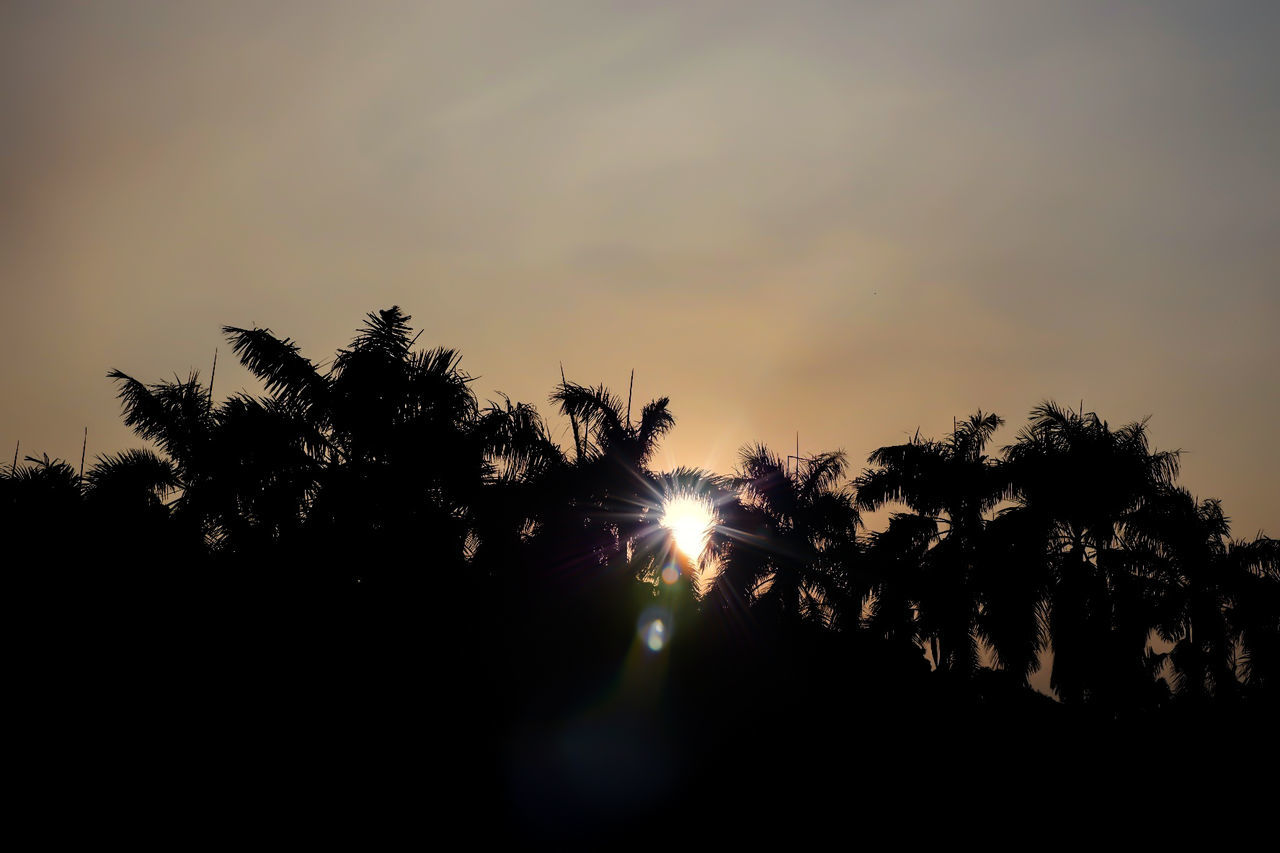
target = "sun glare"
x: 690, y: 520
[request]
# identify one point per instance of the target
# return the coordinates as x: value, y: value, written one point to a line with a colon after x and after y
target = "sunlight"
x: 690, y: 520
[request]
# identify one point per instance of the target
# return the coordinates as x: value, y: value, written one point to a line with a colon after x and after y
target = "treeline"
x: 370, y: 528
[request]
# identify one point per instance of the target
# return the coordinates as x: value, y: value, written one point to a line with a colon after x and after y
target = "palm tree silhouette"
x: 363, y: 519
x: 383, y: 444
x: 606, y: 426
x: 1081, y: 481
x: 43, y: 490
x: 611, y: 478
x: 522, y: 466
x: 894, y: 564
x: 1253, y: 612
x: 179, y: 417
x: 796, y: 538
x: 138, y: 479
x: 1183, y: 545
x: 950, y: 486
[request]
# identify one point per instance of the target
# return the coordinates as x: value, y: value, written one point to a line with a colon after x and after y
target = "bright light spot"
x: 655, y: 628
x: 670, y: 575
x: 655, y: 635
x: 690, y: 520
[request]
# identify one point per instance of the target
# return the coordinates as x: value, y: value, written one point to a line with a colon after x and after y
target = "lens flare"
x: 690, y: 520
x: 655, y: 635
x: 655, y: 628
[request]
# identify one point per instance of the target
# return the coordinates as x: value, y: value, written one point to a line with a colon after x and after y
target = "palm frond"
x: 143, y: 410
x: 386, y: 332
x: 285, y: 372
x: 655, y: 422
x: 176, y: 415
x: 135, y: 471
x: 821, y: 472
x: 596, y: 408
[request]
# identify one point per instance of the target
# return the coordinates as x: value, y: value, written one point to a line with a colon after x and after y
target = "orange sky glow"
x: 850, y: 220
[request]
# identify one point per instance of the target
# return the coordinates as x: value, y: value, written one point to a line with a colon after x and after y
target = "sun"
x: 690, y: 520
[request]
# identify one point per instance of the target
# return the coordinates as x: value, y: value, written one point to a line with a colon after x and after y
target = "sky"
x: 848, y: 220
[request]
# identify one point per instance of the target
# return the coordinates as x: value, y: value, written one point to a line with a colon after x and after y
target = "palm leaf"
x: 280, y: 364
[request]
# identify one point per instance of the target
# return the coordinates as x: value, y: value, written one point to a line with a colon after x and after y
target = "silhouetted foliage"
x: 368, y: 542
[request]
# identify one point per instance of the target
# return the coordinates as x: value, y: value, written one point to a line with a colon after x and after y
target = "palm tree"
x: 950, y: 486
x: 1219, y: 598
x: 1253, y: 612
x: 179, y: 417
x: 1183, y: 546
x: 794, y: 539
x: 1080, y: 481
x: 127, y: 494
x: 380, y: 451
x: 1013, y: 587
x: 46, y: 492
x: 136, y: 479
x: 603, y: 428
x: 384, y: 448
x: 242, y: 470
x: 522, y: 464
x: 612, y: 483
x: 42, y: 525
x: 894, y: 567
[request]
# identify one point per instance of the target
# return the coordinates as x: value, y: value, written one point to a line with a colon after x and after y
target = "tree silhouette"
x: 178, y: 416
x: 801, y: 526
x: 1253, y: 613
x: 363, y: 546
x: 950, y: 485
x: 1083, y: 481
x: 379, y: 452
x: 1183, y: 545
x: 611, y: 482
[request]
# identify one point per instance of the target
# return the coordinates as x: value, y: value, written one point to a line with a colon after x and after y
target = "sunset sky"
x: 847, y: 219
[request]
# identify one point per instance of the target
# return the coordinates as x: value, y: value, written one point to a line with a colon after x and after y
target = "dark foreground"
x: 212, y: 717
